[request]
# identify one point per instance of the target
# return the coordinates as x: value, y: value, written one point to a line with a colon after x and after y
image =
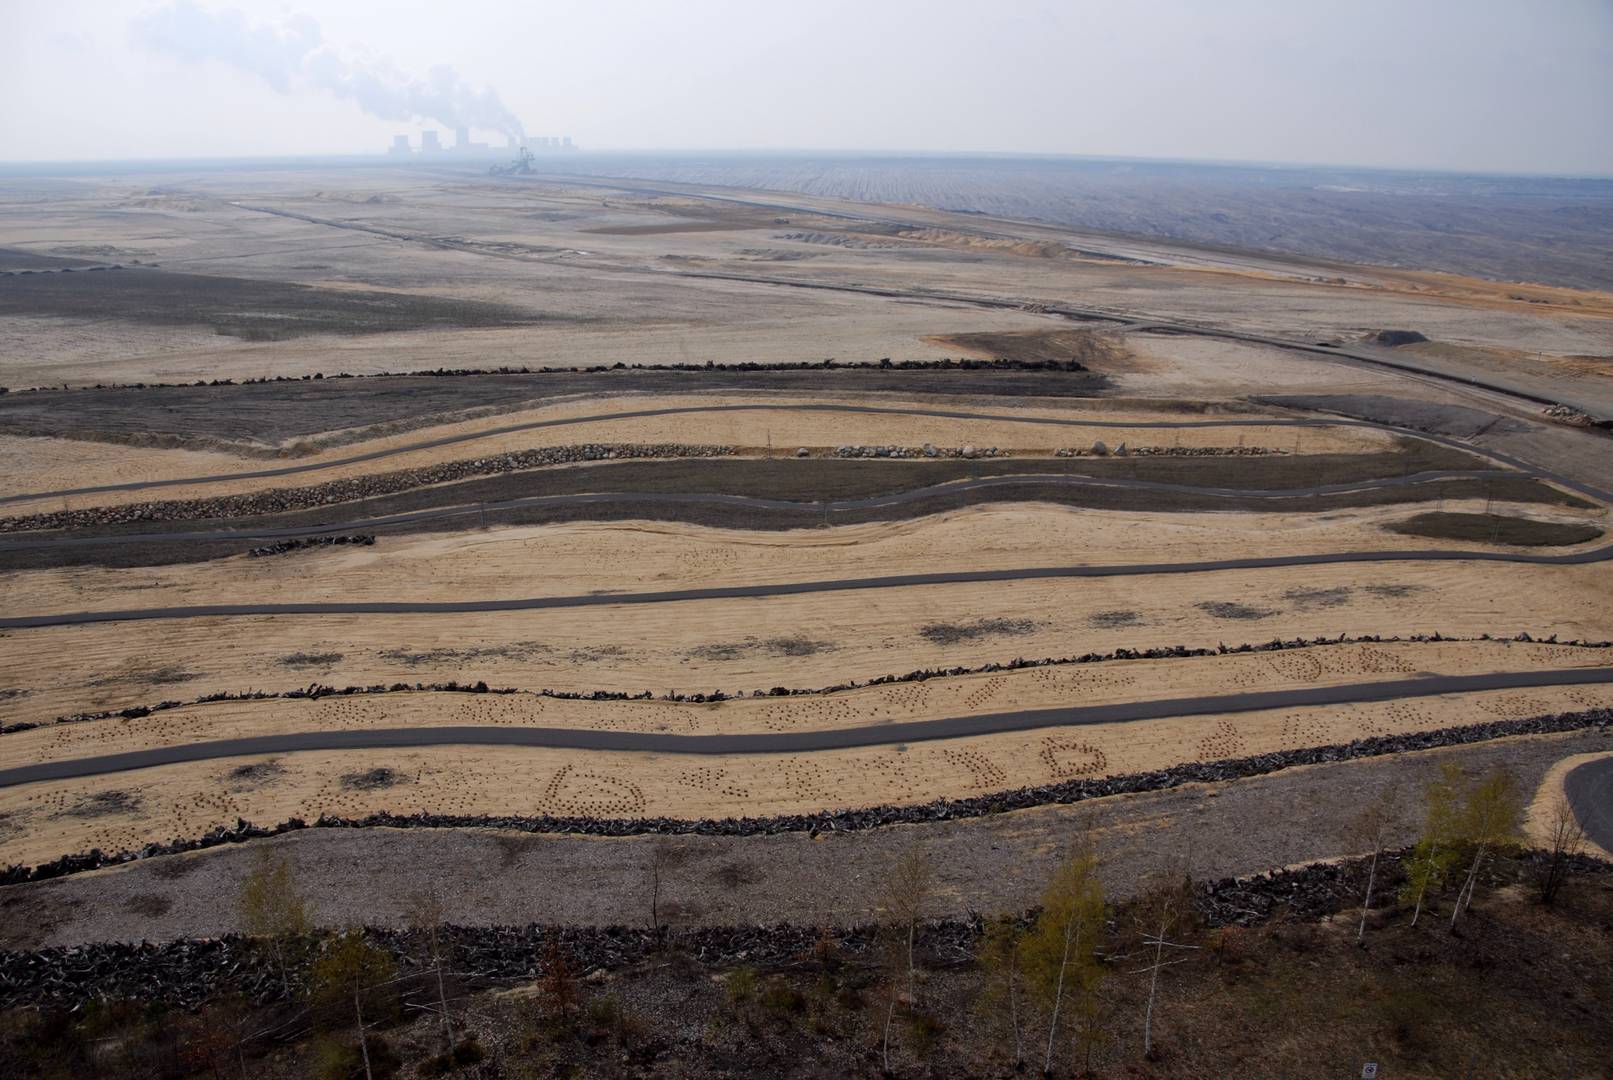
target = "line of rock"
x: 189, y: 973
x: 939, y: 810
x: 281, y: 500
x: 315, y: 691
x: 831, y: 364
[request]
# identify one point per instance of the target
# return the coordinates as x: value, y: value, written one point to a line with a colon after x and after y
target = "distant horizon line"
x: 448, y: 157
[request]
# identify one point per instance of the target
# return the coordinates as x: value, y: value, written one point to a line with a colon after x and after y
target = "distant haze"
x: 1474, y: 85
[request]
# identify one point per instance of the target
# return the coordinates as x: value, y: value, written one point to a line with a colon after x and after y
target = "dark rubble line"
x: 190, y: 972
x: 314, y: 691
x: 351, y: 489
x: 851, y: 820
x: 827, y: 364
x: 281, y: 547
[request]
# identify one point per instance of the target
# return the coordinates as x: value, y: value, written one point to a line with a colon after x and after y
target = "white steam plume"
x: 292, y: 55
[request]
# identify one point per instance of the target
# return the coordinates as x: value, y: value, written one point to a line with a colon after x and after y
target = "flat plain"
x: 616, y: 462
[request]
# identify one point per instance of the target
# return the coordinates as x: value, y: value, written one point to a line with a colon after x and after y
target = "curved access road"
x: 752, y: 502
x: 793, y: 588
x: 799, y: 741
x: 1589, y: 788
x: 943, y: 414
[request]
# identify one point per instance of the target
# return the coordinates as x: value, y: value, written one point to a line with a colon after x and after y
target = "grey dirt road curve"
x: 800, y: 741
x: 1589, y: 788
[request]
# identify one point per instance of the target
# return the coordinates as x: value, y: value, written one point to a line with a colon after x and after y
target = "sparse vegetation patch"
x: 1232, y: 609
x: 373, y: 779
x: 953, y: 633
x: 102, y: 804
x: 310, y: 659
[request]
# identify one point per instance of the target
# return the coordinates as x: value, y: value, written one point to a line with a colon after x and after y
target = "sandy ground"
x: 1036, y: 688
x: 124, y: 810
x: 721, y: 644
x: 573, y: 558
x: 628, y: 295
x: 49, y: 464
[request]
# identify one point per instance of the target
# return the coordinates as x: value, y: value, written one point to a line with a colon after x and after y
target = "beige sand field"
x: 941, y: 698
x: 638, y: 556
x: 798, y: 641
x: 125, y: 810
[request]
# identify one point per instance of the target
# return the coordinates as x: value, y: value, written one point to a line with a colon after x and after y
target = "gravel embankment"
x: 994, y: 862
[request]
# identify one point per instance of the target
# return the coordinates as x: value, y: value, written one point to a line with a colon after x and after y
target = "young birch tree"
x: 272, y: 909
x: 1566, y: 835
x: 1489, y: 820
x: 349, y: 972
x: 1164, y: 912
x: 1061, y: 960
x: 907, y: 893
x: 1002, y: 960
x: 1372, y: 829
x: 1435, y: 852
x: 425, y: 916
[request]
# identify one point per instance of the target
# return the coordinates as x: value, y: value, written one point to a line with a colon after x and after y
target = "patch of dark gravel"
x: 1232, y: 609
x: 779, y: 646
x: 953, y: 633
x: 251, y: 309
x: 255, y: 774
x: 514, y: 650
x: 1394, y: 591
x: 1495, y: 529
x: 102, y: 804
x: 167, y: 675
x: 1113, y: 620
x: 151, y: 905
x: 373, y: 779
x: 1307, y: 599
x: 271, y: 412
x: 309, y: 659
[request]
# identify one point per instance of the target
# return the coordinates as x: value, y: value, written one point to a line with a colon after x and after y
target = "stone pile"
x: 283, y: 500
x: 1123, y: 450
x: 280, y: 547
x: 928, y: 450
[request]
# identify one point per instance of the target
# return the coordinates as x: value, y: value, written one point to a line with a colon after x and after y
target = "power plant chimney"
x: 462, y: 138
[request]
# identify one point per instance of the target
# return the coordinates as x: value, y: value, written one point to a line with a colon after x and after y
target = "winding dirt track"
x: 796, y: 588
x: 943, y: 414
x: 752, y: 502
x: 802, y: 741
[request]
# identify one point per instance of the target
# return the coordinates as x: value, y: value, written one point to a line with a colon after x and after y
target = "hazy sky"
x: 1465, y: 84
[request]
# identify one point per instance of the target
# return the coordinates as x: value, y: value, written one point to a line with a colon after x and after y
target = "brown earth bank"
x: 1265, y: 977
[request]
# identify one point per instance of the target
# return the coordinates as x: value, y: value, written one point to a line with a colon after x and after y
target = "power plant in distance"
x: 429, y: 144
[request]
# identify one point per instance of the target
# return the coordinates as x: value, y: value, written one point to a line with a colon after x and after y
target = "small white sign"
x: 1369, y: 1071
